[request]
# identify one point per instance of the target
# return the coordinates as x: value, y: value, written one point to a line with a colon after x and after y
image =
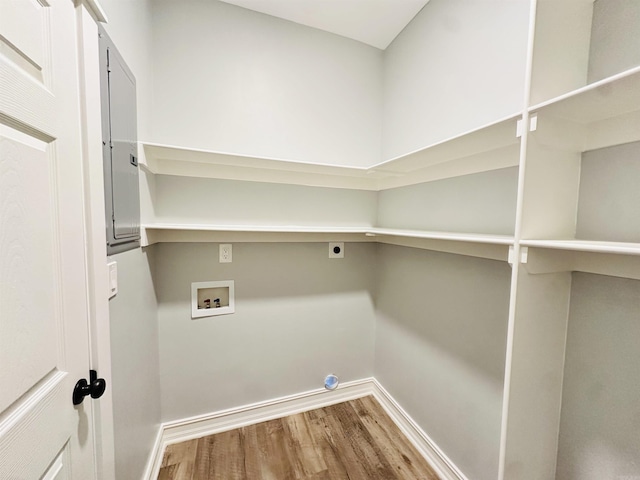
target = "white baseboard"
x: 209, y: 424
x: 155, y: 459
x: 443, y: 466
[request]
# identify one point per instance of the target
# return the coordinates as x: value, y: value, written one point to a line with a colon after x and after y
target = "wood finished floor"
x: 354, y: 440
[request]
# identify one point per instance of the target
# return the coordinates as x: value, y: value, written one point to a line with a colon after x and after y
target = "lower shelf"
x: 544, y: 256
x: 586, y: 246
x: 604, y: 258
x: 478, y: 245
x: 159, y: 233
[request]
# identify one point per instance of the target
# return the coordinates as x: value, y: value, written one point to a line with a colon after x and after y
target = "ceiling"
x: 374, y: 22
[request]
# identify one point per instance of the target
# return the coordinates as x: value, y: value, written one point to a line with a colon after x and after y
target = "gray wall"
x: 230, y: 202
x: 134, y: 362
x: 600, y: 419
x: 479, y: 203
x: 440, y: 348
x: 458, y: 65
x: 299, y: 316
x: 609, y: 201
x: 233, y: 80
x: 615, y: 44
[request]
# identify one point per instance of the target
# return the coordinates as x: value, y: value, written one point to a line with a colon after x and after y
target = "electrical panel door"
x: 119, y: 143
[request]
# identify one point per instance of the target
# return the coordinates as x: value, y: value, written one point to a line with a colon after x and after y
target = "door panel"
x: 43, y: 293
x: 59, y: 468
x: 23, y: 25
x: 40, y: 430
x: 27, y: 282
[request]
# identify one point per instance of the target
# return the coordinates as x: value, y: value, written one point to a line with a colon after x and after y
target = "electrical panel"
x: 120, y: 149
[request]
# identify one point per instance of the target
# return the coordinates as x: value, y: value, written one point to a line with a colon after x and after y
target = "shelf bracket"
x: 524, y: 255
x: 533, y: 125
x: 519, y: 128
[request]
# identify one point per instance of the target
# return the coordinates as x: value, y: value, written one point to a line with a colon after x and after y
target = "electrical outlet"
x: 336, y: 250
x: 226, y: 253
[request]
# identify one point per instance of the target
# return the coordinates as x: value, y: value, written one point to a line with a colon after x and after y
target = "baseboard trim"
x: 155, y: 459
x: 230, y: 419
x: 224, y: 420
x: 443, y: 466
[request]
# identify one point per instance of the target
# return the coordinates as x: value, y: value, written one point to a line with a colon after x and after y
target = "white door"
x: 43, y: 286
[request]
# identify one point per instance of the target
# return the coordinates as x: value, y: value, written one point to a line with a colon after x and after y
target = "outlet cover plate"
x: 226, y: 253
x: 113, y: 278
x: 336, y: 250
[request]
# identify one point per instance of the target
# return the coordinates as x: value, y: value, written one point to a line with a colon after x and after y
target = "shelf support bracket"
x: 533, y: 125
x: 524, y: 255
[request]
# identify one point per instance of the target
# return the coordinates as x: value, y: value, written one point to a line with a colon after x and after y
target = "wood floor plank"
x: 278, y: 452
x: 221, y: 457
x: 356, y: 438
x: 353, y: 440
x: 168, y: 472
x: 325, y: 475
x: 306, y: 454
x: 397, y: 449
x: 336, y: 468
x: 341, y: 463
x: 255, y: 451
x: 179, y: 460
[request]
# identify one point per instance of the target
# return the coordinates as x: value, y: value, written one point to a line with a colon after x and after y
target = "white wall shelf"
x: 191, y: 162
x: 544, y: 259
x: 159, y: 233
x: 613, y: 96
x: 586, y: 246
x: 599, y: 115
x: 450, y: 236
x: 480, y: 245
x: 491, y: 147
x: 615, y: 259
x: 495, y: 247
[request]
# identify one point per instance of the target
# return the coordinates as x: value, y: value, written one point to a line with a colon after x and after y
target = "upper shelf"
x: 611, y: 97
x: 450, y: 236
x: 172, y: 160
x: 491, y: 147
x: 599, y: 115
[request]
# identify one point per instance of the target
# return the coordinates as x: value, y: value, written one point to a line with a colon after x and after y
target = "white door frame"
x: 89, y: 13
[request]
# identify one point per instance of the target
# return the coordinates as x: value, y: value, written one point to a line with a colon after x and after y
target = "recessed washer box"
x: 212, y: 298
